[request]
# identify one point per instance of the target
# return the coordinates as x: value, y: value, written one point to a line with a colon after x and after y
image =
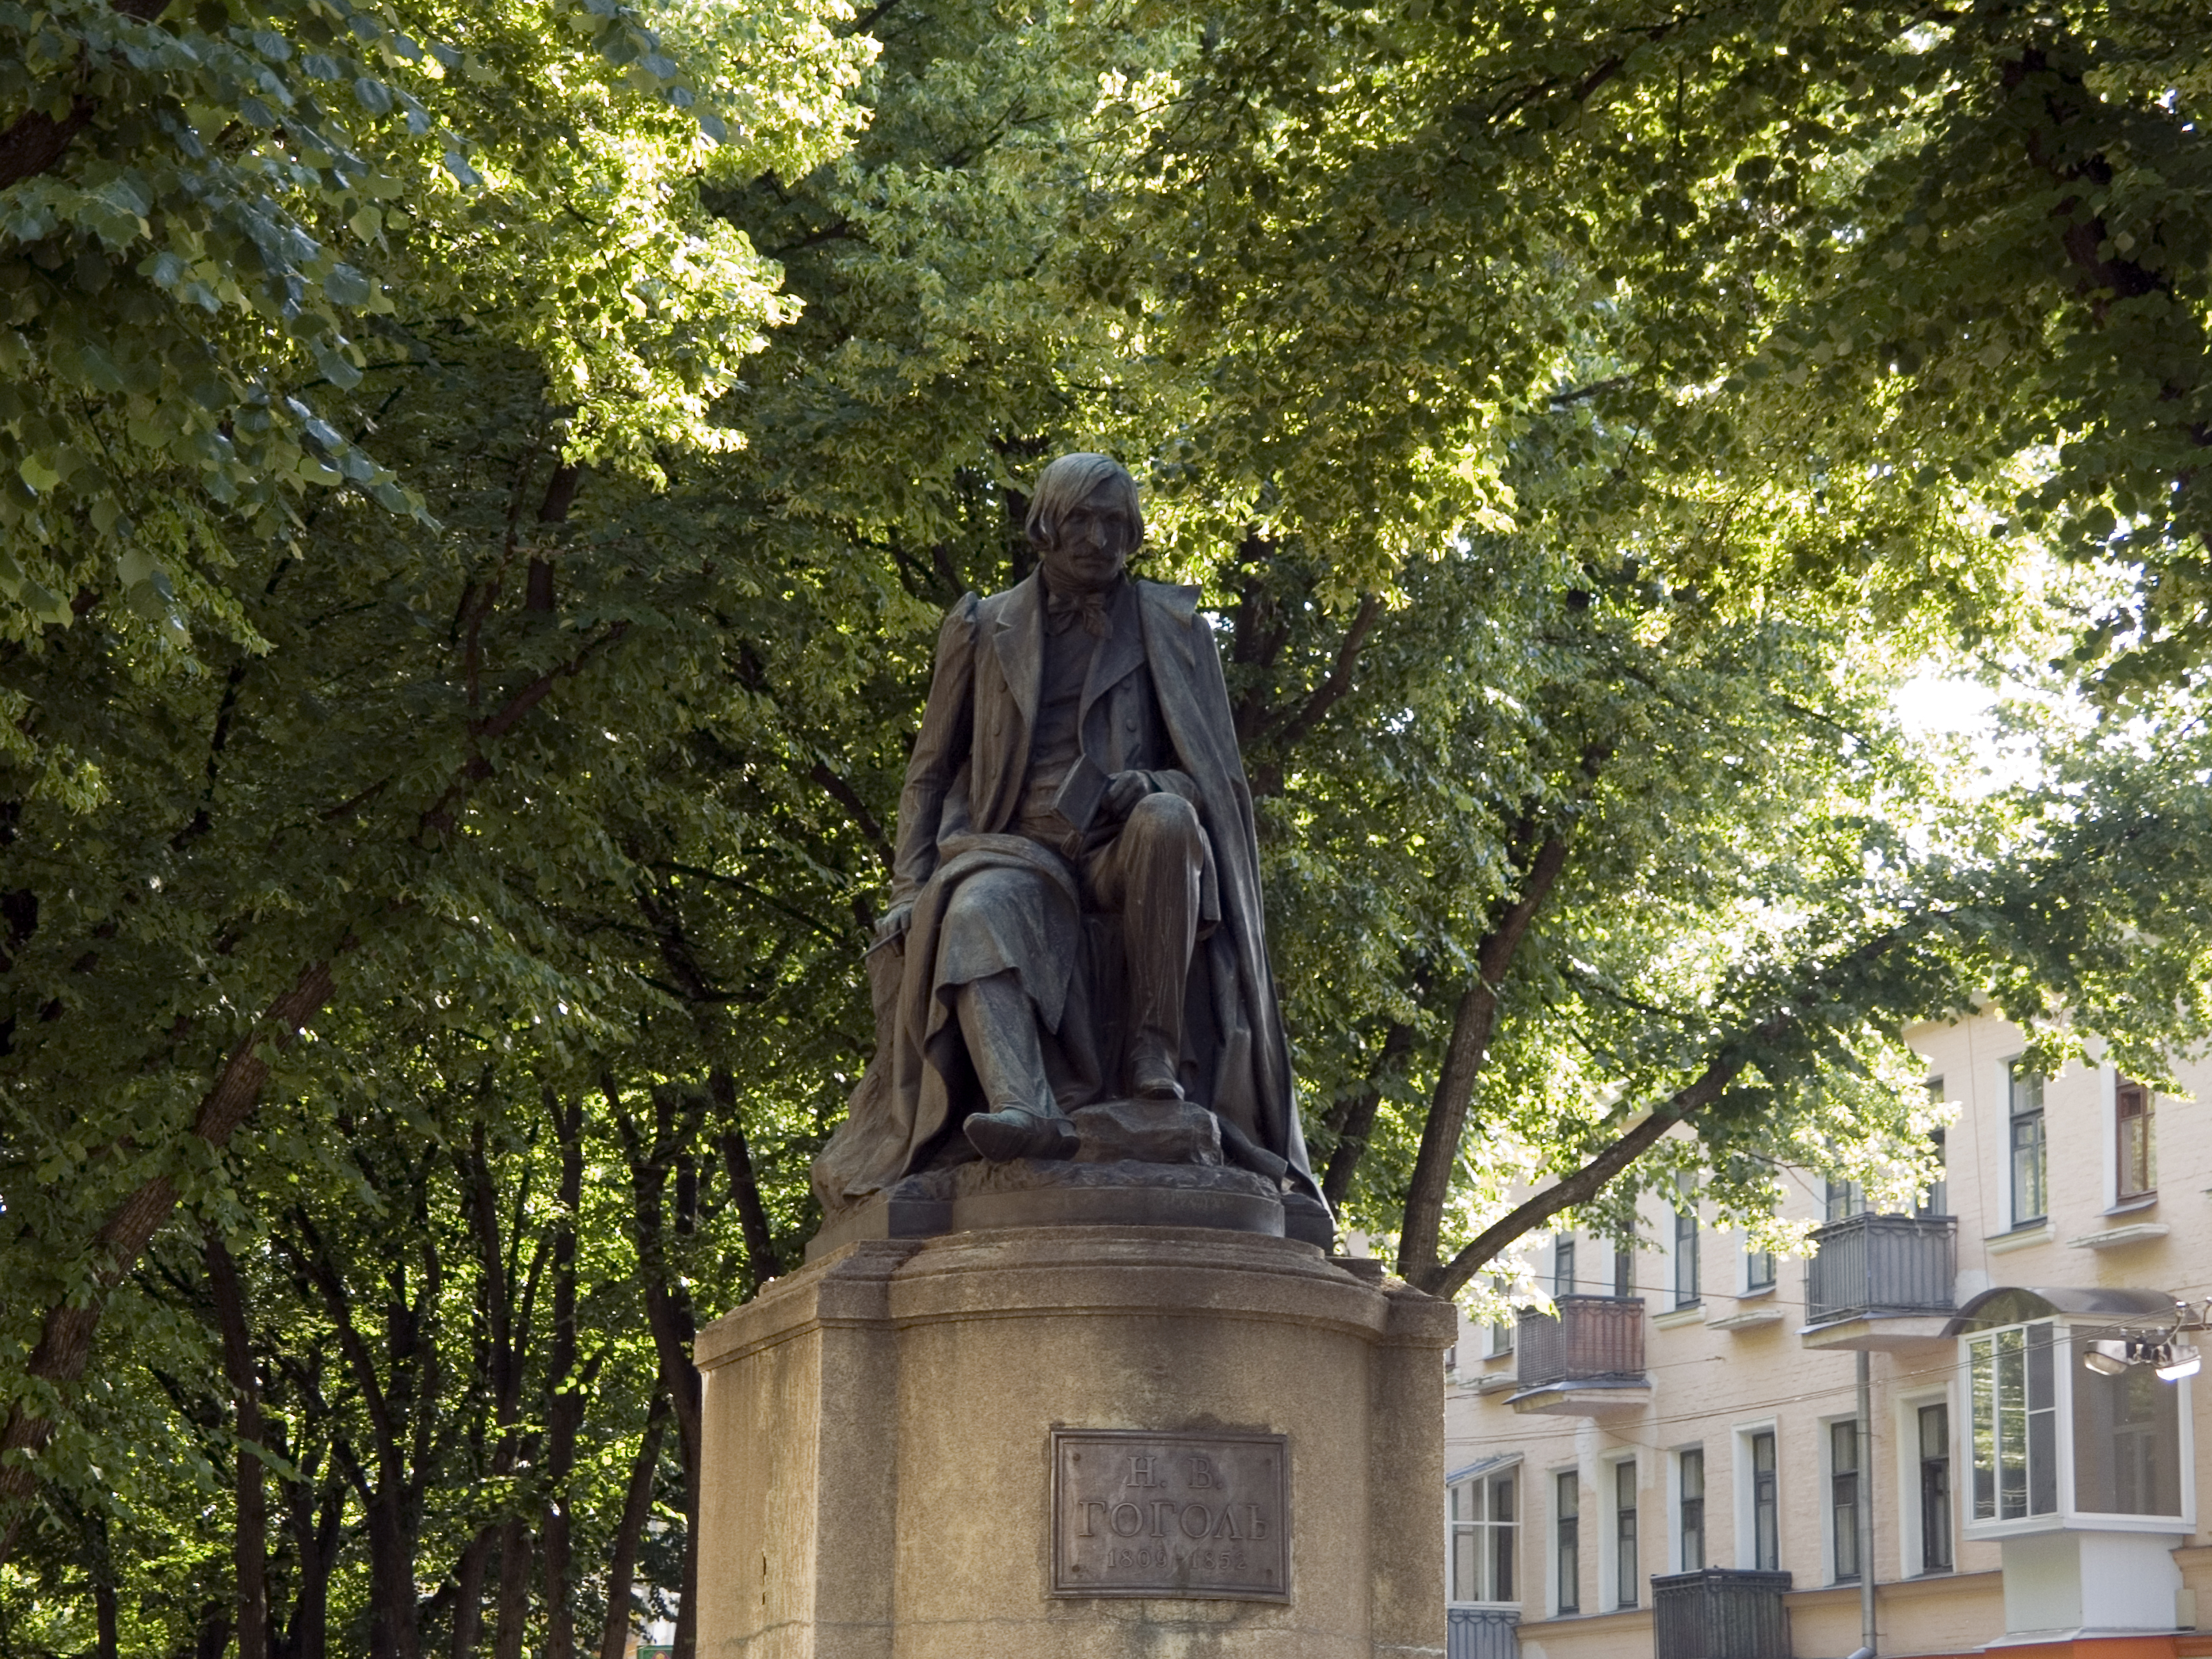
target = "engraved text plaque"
x: 1198, y: 1516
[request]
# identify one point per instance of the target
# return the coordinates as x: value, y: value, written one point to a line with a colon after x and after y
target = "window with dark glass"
x: 1758, y: 1268
x: 1484, y: 1522
x: 1765, y: 1517
x: 1935, y: 1488
x: 2134, y: 1107
x: 1563, y: 1265
x: 1843, y: 1498
x: 1566, y: 1521
x: 1938, y: 1199
x: 1845, y: 1198
x: 1686, y: 1252
x: 2030, y: 1184
x: 1690, y: 1468
x: 1624, y: 1268
x: 1623, y: 1533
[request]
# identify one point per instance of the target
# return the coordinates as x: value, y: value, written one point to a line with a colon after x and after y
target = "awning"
x: 2113, y: 1305
x: 1482, y: 1468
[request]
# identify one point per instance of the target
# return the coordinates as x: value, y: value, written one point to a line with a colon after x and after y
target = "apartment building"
x: 1676, y: 1464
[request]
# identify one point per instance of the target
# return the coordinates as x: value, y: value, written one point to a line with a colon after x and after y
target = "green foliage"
x: 541, y: 441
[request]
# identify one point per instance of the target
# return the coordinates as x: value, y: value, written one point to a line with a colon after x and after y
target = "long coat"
x: 964, y: 786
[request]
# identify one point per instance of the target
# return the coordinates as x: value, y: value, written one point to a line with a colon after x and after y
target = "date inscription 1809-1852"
x: 1195, y: 1516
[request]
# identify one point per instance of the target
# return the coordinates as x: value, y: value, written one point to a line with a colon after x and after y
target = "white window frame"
x: 2108, y: 1132
x: 1746, y: 1534
x: 2065, y: 1362
x: 1684, y: 1202
x: 2014, y: 1223
x: 1828, y: 1561
x: 1608, y: 1548
x: 1551, y: 1602
x: 1673, y: 1497
x: 1487, y: 1473
x: 1744, y: 1287
x: 1905, y: 1410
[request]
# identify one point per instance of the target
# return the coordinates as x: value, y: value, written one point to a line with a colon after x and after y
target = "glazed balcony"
x: 1881, y: 1281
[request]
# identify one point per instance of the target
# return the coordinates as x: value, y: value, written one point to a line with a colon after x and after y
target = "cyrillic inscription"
x: 1201, y: 1515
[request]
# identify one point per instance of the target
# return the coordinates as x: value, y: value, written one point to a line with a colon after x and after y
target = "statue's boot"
x: 999, y: 1027
x: 1163, y: 853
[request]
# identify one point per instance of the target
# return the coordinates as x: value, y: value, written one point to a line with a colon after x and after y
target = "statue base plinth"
x: 1074, y: 1442
x: 1138, y: 1163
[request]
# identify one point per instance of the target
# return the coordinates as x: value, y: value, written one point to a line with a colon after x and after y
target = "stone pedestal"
x: 881, y: 1457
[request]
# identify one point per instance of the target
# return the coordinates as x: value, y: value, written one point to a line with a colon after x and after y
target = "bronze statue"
x: 1075, y: 914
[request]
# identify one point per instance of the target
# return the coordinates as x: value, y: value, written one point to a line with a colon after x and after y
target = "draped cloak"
x: 964, y: 791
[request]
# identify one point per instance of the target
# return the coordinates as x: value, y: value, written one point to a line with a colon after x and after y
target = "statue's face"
x: 1093, y: 542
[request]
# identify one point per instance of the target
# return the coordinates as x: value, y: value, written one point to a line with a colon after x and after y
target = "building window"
x: 1566, y: 1520
x: 1935, y: 1488
x: 1845, y: 1198
x: 1624, y: 1268
x: 1690, y: 1470
x: 1758, y: 1268
x: 2030, y: 1186
x: 1686, y: 1252
x: 1624, y: 1575
x: 1484, y: 1522
x: 2016, y: 1423
x: 1843, y: 1498
x: 2134, y: 1108
x: 1563, y: 1266
x: 1938, y: 1201
x: 1765, y: 1515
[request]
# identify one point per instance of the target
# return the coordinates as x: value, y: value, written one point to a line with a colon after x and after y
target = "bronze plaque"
x: 1203, y: 1517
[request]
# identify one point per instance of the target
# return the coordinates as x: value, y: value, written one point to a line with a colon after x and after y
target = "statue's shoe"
x: 1014, y: 1132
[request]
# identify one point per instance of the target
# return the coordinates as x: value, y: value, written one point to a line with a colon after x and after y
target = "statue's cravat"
x: 1092, y: 606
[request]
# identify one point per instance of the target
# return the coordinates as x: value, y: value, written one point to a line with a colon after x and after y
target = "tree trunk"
x: 565, y: 1406
x: 468, y: 1593
x: 1472, y: 1023
x: 100, y: 1568
x: 1357, y: 1120
x: 637, y: 1509
x: 668, y: 1307
x: 736, y: 1160
x: 251, y: 1554
x: 514, y: 1589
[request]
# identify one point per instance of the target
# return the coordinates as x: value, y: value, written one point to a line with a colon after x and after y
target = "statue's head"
x: 1085, y: 520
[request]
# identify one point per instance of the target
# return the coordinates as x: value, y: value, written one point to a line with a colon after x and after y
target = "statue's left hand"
x: 1123, y: 791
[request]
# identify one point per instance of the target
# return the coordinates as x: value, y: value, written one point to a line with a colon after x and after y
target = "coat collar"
x: 1017, y: 635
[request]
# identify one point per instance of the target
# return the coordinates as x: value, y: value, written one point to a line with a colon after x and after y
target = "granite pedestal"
x: 1075, y: 1441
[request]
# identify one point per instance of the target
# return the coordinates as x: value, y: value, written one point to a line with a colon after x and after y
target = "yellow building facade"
x: 1635, y: 1474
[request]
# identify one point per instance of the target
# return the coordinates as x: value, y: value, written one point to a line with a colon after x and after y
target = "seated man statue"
x: 1075, y: 911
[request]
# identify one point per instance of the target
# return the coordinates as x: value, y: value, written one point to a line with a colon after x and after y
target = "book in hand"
x: 1080, y: 792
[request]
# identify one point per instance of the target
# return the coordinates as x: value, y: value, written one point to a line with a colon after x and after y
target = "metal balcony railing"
x: 1869, y: 1265
x: 1593, y: 1337
x: 1721, y: 1612
x: 1482, y: 1633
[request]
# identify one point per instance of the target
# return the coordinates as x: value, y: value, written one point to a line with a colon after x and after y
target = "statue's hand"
x: 1123, y: 791
x: 895, y: 921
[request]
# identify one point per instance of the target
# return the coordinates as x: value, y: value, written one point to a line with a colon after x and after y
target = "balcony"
x: 1482, y: 1633
x: 1881, y: 1281
x: 1721, y: 1612
x: 1585, y: 1360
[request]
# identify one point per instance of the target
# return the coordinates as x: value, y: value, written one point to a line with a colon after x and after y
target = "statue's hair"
x: 1070, y: 480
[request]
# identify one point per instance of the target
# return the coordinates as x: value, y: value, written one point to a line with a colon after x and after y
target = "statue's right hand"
x: 895, y: 921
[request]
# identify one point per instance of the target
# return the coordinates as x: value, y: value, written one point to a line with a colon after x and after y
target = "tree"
x: 520, y: 834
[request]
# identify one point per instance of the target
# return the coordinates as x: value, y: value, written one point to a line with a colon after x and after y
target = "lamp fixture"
x: 2106, y: 1357
x: 2176, y: 1360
